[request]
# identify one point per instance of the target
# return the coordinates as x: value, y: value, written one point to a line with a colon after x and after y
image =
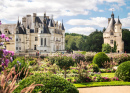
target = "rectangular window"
x: 16, y: 39
x: 111, y: 42
x: 19, y: 48
x: 41, y: 41
x: 36, y: 38
x: 35, y: 47
x: 16, y: 48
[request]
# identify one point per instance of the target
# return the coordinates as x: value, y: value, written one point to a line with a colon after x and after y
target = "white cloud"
x: 97, y: 21
x: 101, y: 10
x: 126, y: 21
x: 112, y: 9
x: 82, y: 30
x: 11, y: 9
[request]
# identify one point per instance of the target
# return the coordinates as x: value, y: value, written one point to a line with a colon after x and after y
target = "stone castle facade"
x: 113, y: 33
x: 35, y: 33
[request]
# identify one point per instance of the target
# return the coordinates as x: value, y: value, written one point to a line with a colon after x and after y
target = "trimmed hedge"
x: 100, y: 58
x: 52, y: 84
x: 123, y: 71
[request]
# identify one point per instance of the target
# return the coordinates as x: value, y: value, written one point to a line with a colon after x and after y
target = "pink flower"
x: 12, y: 53
x: 2, y: 35
x: 7, y: 39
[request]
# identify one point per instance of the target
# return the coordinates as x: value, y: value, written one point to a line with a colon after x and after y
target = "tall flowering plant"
x: 5, y: 55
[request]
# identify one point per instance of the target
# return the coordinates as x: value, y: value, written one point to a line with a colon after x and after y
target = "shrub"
x: 94, y: 67
x: 89, y: 58
x: 123, y: 71
x: 100, y: 58
x: 20, y: 64
x: 121, y: 58
x: 106, y: 48
x: 52, y: 84
x: 64, y: 63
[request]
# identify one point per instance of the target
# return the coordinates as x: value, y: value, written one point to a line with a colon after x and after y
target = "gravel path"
x: 106, y: 89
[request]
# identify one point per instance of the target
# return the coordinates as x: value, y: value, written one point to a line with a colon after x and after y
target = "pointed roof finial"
x: 62, y: 25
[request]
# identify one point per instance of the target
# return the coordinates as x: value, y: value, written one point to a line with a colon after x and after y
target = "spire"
x: 112, y: 15
x: 118, y: 21
x: 111, y: 24
x: 62, y: 27
x: 0, y: 22
x: 18, y: 22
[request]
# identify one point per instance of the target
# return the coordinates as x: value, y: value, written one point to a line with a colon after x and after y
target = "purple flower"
x: 2, y: 35
x: 1, y: 44
x: 12, y: 53
x: 17, y: 61
x: 7, y: 39
x: 11, y: 59
x: 20, y: 64
x: 6, y: 62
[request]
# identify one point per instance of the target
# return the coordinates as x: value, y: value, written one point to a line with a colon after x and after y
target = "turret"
x: 118, y: 25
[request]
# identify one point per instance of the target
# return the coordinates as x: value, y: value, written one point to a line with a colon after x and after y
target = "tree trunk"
x: 65, y: 73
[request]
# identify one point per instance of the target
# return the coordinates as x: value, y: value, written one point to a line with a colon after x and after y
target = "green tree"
x: 94, y: 42
x: 106, y: 48
x: 115, y: 47
x: 126, y: 38
x: 64, y: 63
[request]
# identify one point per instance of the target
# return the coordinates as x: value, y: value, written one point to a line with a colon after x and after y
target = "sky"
x: 79, y: 16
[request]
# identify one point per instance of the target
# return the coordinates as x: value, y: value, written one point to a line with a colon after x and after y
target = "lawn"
x: 95, y: 84
x: 110, y: 75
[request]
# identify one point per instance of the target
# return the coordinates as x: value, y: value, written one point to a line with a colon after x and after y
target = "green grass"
x: 110, y: 75
x: 95, y: 84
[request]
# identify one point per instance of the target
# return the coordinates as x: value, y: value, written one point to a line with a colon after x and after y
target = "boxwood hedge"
x: 52, y: 84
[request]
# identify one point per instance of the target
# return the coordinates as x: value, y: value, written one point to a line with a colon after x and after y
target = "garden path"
x: 106, y: 89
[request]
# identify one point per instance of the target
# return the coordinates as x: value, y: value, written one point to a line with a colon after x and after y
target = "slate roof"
x: 118, y: 21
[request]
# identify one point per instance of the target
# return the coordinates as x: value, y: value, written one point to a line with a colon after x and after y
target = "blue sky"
x: 79, y: 16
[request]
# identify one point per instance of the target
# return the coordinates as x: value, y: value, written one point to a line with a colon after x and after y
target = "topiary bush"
x: 94, y: 67
x: 123, y: 71
x: 52, y: 84
x: 100, y: 58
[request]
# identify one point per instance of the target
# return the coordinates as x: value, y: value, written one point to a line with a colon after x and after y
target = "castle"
x: 35, y: 33
x: 113, y: 33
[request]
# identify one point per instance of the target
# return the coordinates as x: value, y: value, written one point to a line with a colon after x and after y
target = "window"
x: 36, y: 30
x: 19, y: 48
x: 111, y: 33
x: 111, y: 42
x: 16, y: 39
x: 41, y: 41
x: 16, y: 48
x: 35, y: 47
x: 45, y: 42
x: 36, y: 38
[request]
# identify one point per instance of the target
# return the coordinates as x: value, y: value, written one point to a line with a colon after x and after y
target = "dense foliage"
x: 20, y: 64
x: 126, y: 39
x: 93, y: 42
x: 100, y: 58
x: 123, y: 71
x: 52, y: 84
x: 106, y: 48
x: 121, y: 58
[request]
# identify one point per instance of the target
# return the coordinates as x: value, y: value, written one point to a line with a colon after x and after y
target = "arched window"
x: 41, y: 41
x: 45, y: 42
